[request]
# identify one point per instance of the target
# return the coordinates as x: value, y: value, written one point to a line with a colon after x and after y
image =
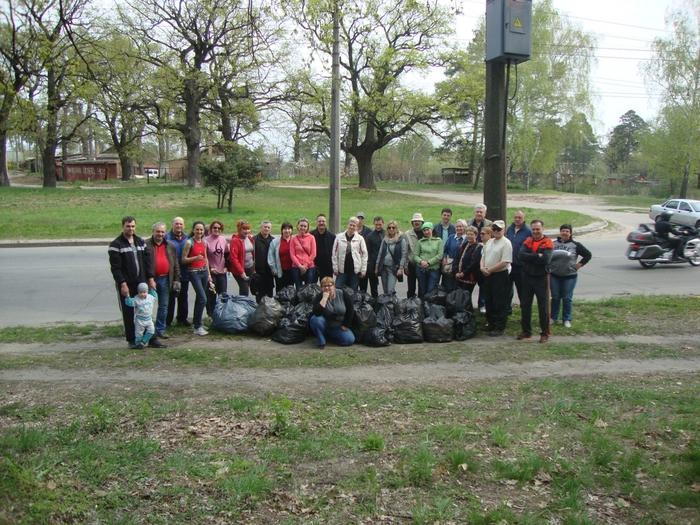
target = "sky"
x: 624, y: 30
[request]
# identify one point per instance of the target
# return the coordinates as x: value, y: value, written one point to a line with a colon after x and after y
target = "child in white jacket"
x: 143, y: 304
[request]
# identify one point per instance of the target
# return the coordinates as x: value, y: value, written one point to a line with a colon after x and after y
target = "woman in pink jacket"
x: 303, y: 253
x: 242, y: 256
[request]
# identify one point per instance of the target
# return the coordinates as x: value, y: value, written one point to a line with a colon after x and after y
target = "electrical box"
x: 508, y: 30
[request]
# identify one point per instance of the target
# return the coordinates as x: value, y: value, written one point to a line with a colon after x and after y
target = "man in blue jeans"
x: 167, y: 273
x: 178, y: 238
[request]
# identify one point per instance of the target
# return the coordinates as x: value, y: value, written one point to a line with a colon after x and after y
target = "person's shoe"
x: 201, y: 331
x: 523, y: 335
x: 183, y: 322
x: 154, y: 343
x: 482, y: 309
x: 567, y: 324
x: 321, y: 347
x: 133, y: 346
x: 139, y: 346
x: 163, y: 335
x: 495, y: 333
x: 544, y: 338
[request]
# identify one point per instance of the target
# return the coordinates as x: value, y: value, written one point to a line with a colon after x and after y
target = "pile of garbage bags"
x: 440, y: 317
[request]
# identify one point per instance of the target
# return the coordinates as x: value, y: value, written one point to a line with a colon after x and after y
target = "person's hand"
x: 326, y: 295
x: 124, y: 290
x: 459, y: 275
x: 399, y: 271
x: 424, y: 264
x: 302, y: 270
x: 212, y: 287
x: 152, y: 283
x: 199, y: 257
x: 579, y: 266
x: 343, y: 328
x: 486, y: 271
x: 176, y: 287
x: 362, y: 275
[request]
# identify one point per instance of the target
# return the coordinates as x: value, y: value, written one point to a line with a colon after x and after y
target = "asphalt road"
x: 73, y: 284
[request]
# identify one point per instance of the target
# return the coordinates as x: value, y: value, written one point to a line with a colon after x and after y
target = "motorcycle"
x: 651, y: 250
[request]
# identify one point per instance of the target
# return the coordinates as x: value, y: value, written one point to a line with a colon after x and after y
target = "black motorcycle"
x: 650, y: 250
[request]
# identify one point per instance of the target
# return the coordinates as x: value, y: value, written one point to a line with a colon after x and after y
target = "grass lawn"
x: 73, y: 212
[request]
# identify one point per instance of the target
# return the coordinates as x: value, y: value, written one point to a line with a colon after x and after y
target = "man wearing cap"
x: 479, y: 220
x: 496, y: 258
x: 373, y: 240
x: 130, y: 264
x: 412, y: 237
x: 362, y: 229
x: 427, y: 258
x: 535, y: 255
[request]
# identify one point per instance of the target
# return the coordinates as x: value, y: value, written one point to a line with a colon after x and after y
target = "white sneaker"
x: 482, y: 309
x: 567, y: 324
x: 201, y: 331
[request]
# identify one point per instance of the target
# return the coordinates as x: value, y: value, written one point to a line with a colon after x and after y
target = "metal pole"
x: 494, y: 142
x: 334, y: 197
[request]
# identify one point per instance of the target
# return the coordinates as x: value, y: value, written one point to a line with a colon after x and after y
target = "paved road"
x: 73, y: 284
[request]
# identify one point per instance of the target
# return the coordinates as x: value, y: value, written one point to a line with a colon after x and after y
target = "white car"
x: 683, y: 211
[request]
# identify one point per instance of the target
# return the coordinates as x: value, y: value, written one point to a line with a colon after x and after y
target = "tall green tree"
x: 381, y: 42
x: 580, y: 146
x: 675, y: 69
x: 624, y: 140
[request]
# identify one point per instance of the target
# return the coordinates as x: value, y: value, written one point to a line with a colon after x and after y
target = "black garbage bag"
x: 307, y: 293
x: 377, y: 336
x: 433, y: 310
x: 231, y: 313
x: 464, y: 326
x: 413, y: 304
x: 287, y: 295
x: 390, y: 300
x: 266, y: 316
x: 408, y: 326
x: 385, y: 316
x: 458, y: 301
x: 362, y: 297
x: 347, y: 291
x: 291, y: 330
x: 303, y: 311
x: 363, y: 320
x: 438, y: 329
x: 436, y: 296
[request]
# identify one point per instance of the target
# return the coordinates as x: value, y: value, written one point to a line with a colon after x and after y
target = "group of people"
x: 464, y: 254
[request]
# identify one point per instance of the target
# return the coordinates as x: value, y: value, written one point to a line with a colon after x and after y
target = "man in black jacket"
x: 130, y: 264
x: 373, y: 240
x: 324, y: 247
x: 266, y: 282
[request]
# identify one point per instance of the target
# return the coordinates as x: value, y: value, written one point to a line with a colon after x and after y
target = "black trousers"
x: 497, y: 294
x: 128, y: 312
x: 516, y: 278
x: 266, y: 285
x: 182, y: 301
x: 534, y: 286
x: 221, y: 286
x: 411, y: 279
x: 373, y: 280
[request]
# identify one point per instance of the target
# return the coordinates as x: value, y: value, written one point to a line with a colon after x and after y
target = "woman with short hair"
x: 568, y: 257
x: 332, y: 315
x: 452, y: 251
x: 242, y: 256
x: 391, y: 259
x: 303, y: 253
x: 467, y: 266
x: 279, y: 258
x: 350, y: 256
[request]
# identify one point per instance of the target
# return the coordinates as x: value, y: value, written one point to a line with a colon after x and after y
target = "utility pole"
x: 334, y: 197
x: 494, y: 141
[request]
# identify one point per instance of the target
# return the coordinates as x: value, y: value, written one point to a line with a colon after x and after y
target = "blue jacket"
x: 517, y: 240
x: 437, y: 231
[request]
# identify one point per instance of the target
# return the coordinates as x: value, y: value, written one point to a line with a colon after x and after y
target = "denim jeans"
x: 562, y: 289
x: 388, y: 279
x: 310, y: 277
x: 319, y: 327
x: 427, y: 280
x: 200, y: 283
x: 163, y: 291
x: 350, y: 279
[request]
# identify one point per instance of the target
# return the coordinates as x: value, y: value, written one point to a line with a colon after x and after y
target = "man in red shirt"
x: 535, y: 255
x: 167, y: 276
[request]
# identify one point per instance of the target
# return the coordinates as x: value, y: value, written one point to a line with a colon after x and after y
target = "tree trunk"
x: 686, y: 175
x: 49, y: 152
x: 7, y: 102
x: 192, y: 132
x: 4, y: 177
x: 364, y: 167
x: 125, y: 163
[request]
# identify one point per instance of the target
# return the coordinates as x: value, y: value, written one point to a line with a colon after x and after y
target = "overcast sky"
x: 624, y: 30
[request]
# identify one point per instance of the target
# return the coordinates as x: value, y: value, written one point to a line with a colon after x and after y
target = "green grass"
x: 30, y: 213
x: 576, y: 448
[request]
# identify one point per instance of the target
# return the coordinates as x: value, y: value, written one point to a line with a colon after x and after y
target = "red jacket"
x: 237, y: 255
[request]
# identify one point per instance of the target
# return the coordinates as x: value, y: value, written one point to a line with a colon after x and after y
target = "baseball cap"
x: 360, y: 214
x: 417, y: 217
x: 498, y: 225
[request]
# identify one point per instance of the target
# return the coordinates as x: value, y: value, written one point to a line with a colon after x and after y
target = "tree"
x: 676, y: 70
x: 239, y: 169
x: 623, y: 140
x: 580, y: 147
x: 381, y: 42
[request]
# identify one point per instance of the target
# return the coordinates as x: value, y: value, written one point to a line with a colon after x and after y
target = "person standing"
x: 444, y: 228
x: 497, y: 254
x: 467, y: 267
x: 166, y: 268
x: 373, y: 240
x: 452, y: 251
x: 349, y: 256
x: 279, y: 258
x: 479, y: 220
x: 392, y: 258
x: 516, y: 233
x: 130, y: 264
x: 568, y: 257
x: 178, y: 238
x: 242, y: 256
x: 217, y: 255
x: 324, y: 247
x: 427, y: 257
x: 362, y: 228
x: 535, y: 254
x: 194, y: 257
x: 303, y: 252
x: 263, y: 240
x: 412, y: 237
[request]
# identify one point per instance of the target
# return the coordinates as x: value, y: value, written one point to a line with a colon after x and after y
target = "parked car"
x: 683, y: 211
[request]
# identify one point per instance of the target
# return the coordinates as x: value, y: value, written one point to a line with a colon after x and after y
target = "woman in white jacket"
x: 349, y: 256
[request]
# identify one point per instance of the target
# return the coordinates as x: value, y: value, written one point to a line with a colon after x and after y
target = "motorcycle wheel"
x: 647, y: 264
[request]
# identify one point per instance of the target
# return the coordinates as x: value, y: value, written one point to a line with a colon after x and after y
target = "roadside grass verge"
x: 523, y: 452
x: 32, y: 213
